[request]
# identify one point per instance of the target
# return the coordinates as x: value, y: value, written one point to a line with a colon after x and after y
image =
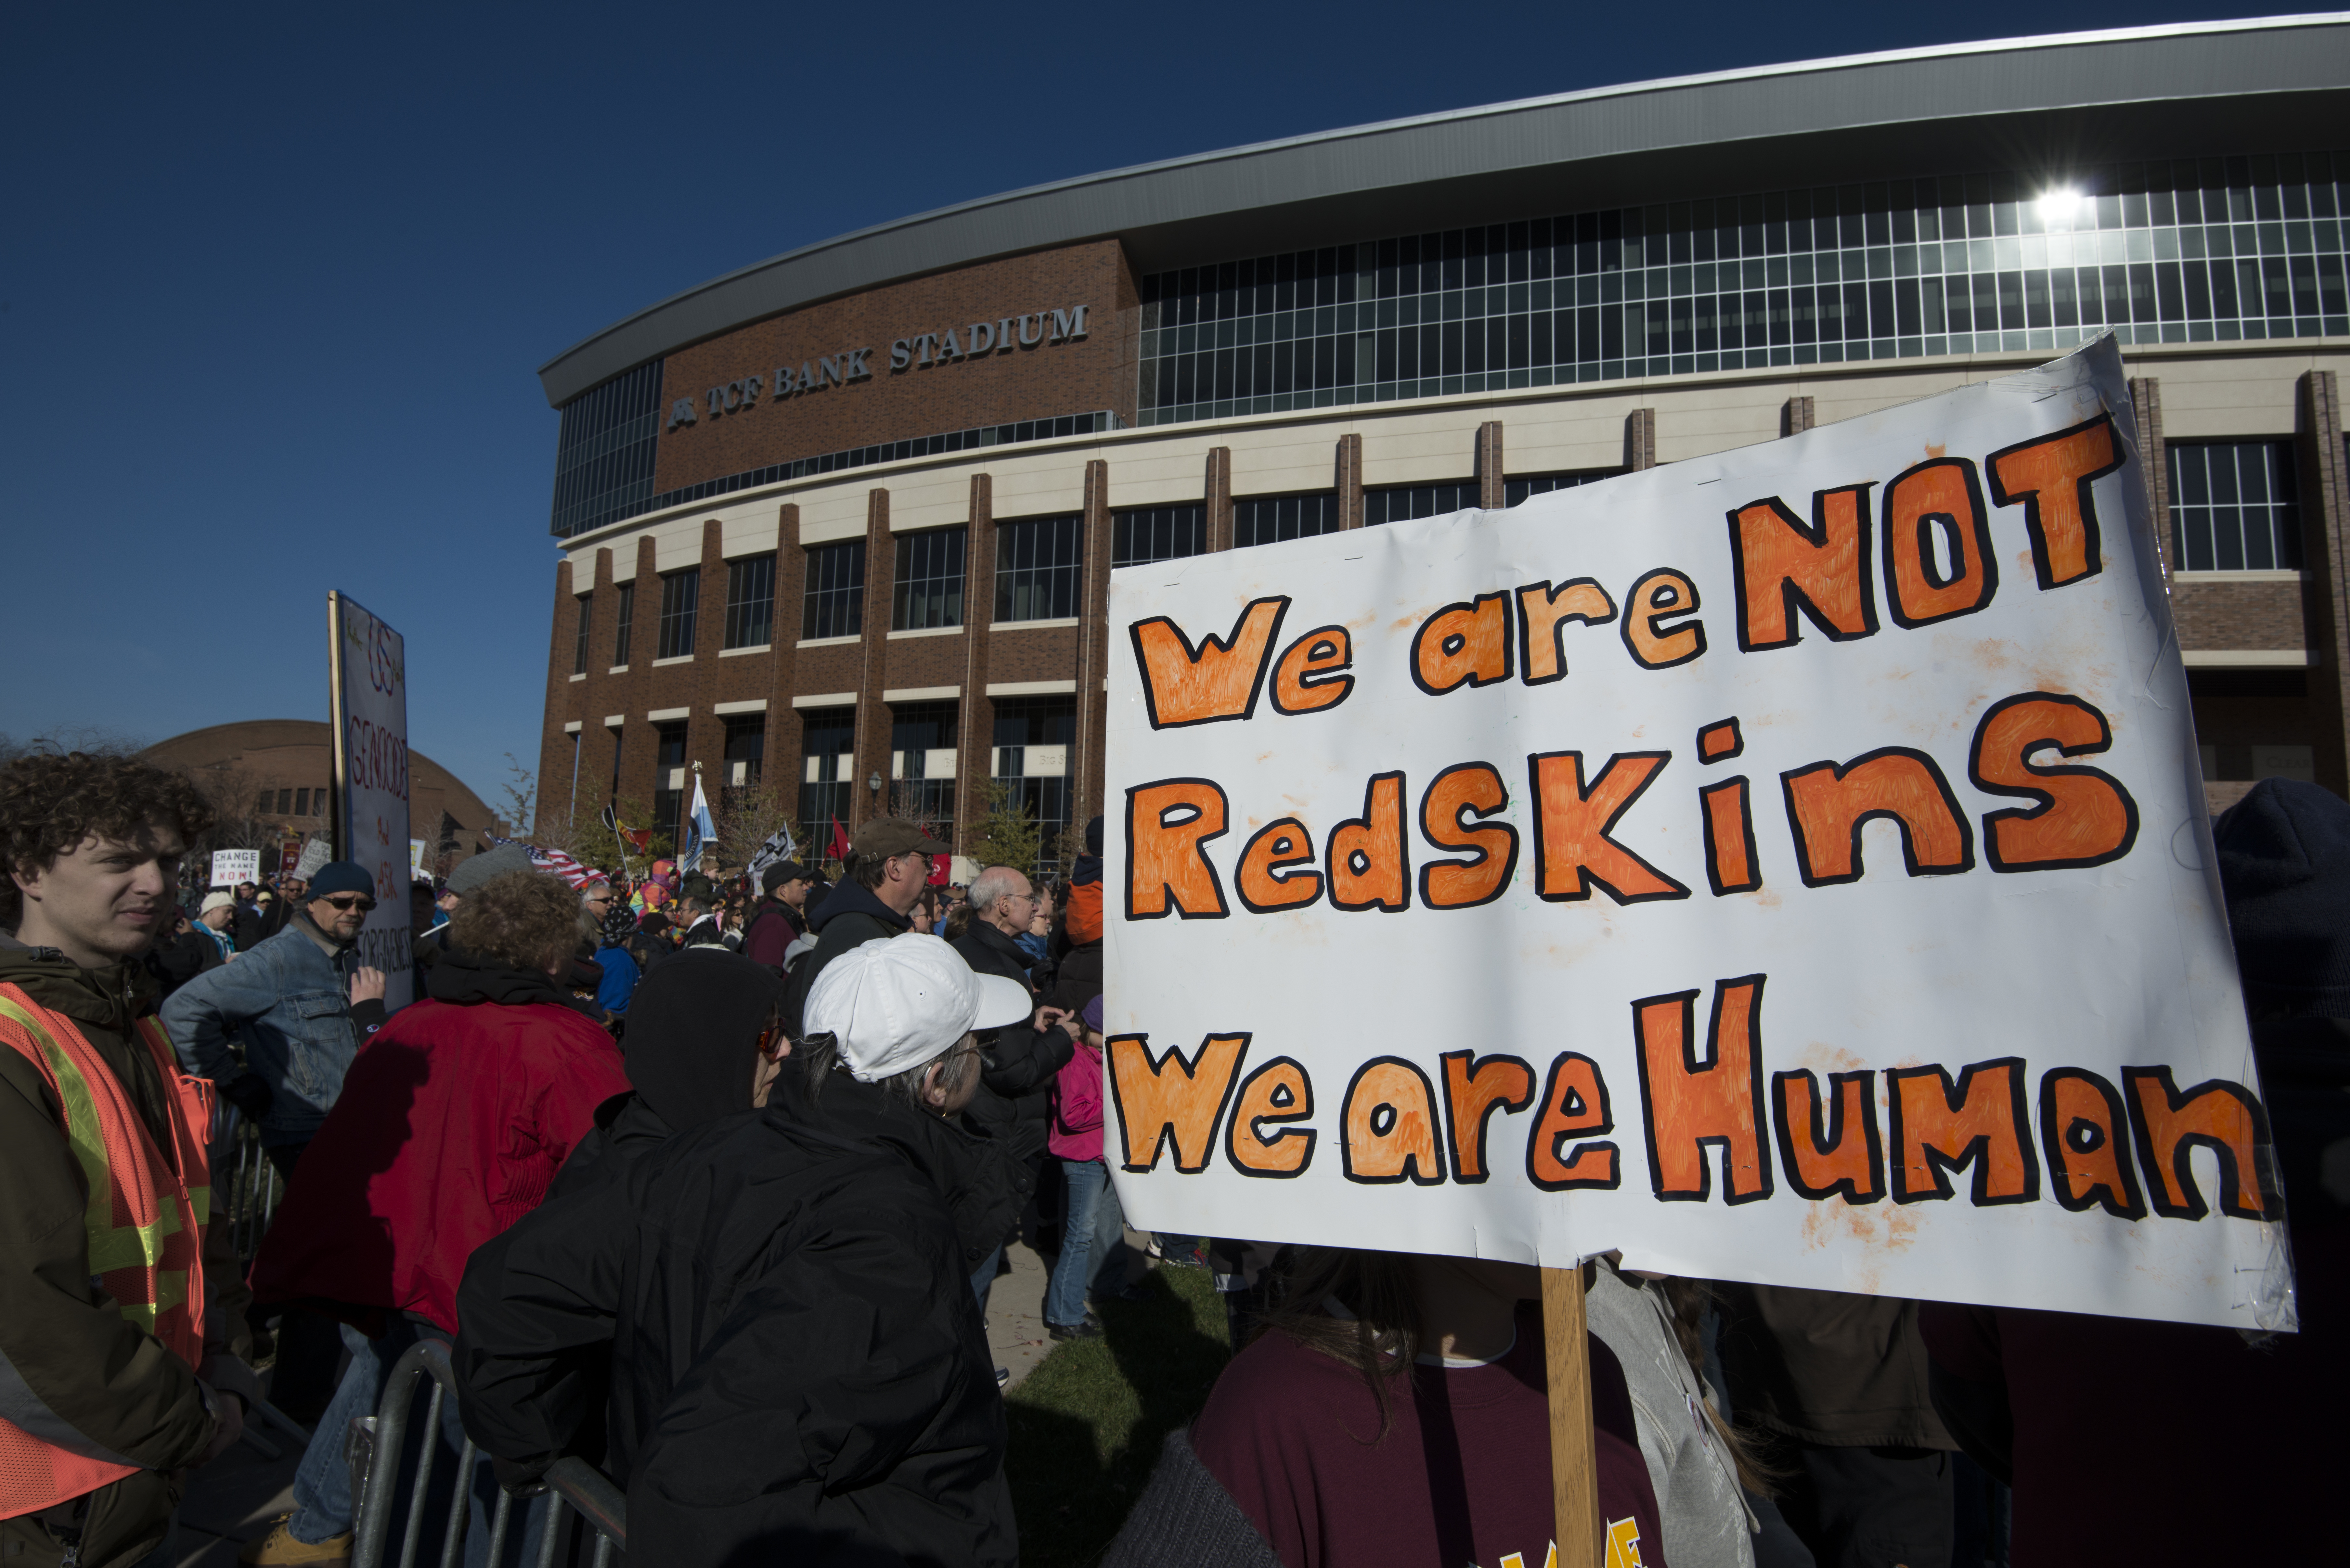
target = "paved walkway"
x: 233, y: 1499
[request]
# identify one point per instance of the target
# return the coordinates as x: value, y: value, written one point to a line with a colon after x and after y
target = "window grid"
x: 750, y: 601
x: 917, y: 731
x: 1039, y: 568
x: 668, y: 755
x: 604, y: 452
x: 1519, y: 489
x: 2234, y: 506
x: 747, y: 743
x: 637, y: 496
x: 586, y: 602
x: 681, y: 594
x: 625, y: 619
x: 1024, y: 724
x: 1157, y: 534
x: 928, y: 590
x: 1269, y: 519
x: 1401, y: 502
x: 828, y: 770
x: 834, y: 602
x: 2195, y: 251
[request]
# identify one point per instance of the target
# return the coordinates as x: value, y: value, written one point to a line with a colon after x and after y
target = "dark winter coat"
x: 850, y: 917
x: 1015, y: 1090
x: 798, y: 1367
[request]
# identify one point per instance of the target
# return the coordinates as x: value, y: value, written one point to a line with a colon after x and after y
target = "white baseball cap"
x: 218, y: 901
x: 897, y: 1002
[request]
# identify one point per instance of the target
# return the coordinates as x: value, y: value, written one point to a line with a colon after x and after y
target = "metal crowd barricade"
x: 374, y: 1449
x: 245, y: 1185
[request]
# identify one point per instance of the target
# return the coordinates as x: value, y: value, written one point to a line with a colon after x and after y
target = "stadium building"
x: 850, y: 513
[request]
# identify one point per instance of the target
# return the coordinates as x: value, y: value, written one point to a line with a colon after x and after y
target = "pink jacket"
x: 1076, y: 1129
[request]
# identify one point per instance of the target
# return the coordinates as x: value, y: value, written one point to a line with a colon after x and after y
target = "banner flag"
x: 779, y: 847
x: 700, y: 832
x: 1789, y: 866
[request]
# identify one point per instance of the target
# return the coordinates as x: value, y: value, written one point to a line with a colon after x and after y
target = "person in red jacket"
x: 453, y: 1122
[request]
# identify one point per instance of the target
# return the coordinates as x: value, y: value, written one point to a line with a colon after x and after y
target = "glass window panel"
x: 750, y: 601
x: 833, y: 604
x: 1039, y: 568
x: 680, y: 598
x: 1157, y: 534
x: 586, y: 603
x: 928, y: 590
x: 2234, y: 506
x: 623, y: 623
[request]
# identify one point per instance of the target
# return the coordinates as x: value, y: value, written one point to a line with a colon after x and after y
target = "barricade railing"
x: 245, y: 1185
x: 374, y: 1448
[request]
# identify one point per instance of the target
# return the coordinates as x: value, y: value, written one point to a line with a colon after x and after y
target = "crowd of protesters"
x: 706, y: 1180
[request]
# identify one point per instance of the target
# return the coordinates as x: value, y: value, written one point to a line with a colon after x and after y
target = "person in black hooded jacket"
x: 797, y: 1371
x: 888, y: 866
x: 704, y: 1042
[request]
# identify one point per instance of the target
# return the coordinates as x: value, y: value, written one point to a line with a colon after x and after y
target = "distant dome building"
x: 286, y: 767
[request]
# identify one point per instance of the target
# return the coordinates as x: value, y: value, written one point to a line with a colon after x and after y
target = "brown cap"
x: 888, y: 835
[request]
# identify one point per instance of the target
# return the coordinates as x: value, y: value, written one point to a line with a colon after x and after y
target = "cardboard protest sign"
x: 370, y: 688
x: 231, y: 866
x: 1787, y: 866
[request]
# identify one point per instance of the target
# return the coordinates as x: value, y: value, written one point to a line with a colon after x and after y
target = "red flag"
x: 839, y: 841
x: 941, y: 866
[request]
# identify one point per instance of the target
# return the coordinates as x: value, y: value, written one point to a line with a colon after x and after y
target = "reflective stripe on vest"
x: 143, y: 1221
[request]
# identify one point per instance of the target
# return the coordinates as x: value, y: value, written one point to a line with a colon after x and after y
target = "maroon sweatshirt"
x: 1462, y: 1477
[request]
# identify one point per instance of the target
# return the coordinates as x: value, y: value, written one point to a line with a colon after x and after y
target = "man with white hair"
x: 1014, y: 1101
x: 796, y: 1367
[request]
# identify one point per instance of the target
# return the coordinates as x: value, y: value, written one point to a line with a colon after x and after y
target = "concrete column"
x: 872, y: 716
x: 1217, y: 489
x: 2325, y: 557
x: 1795, y: 416
x: 2154, y: 464
x: 976, y: 721
x: 1093, y: 648
x: 1349, y: 481
x: 1640, y: 440
x: 782, y: 767
x: 1491, y: 476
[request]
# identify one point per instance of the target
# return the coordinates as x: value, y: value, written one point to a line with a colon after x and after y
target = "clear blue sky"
x: 273, y: 286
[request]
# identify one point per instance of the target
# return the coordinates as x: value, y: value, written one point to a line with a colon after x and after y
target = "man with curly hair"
x: 117, y: 1372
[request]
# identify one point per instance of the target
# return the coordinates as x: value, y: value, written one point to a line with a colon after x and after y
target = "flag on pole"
x: 839, y: 841
x: 941, y: 866
x: 780, y: 846
x: 700, y: 831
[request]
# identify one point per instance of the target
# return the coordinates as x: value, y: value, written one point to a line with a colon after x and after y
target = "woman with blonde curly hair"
x: 453, y: 1122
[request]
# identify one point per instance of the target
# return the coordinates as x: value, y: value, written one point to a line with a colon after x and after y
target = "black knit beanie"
x: 2284, y: 864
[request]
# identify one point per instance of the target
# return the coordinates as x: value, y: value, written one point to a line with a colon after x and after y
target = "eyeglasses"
x: 347, y: 902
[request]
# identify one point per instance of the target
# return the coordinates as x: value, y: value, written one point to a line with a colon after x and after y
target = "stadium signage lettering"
x: 976, y: 340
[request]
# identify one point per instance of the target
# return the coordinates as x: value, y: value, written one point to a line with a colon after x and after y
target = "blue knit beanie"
x: 2284, y: 864
x: 341, y: 876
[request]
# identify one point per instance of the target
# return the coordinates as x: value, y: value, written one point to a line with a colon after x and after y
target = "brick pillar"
x: 1492, y: 491
x: 705, y: 731
x: 595, y: 694
x: 1640, y: 440
x: 1217, y: 489
x: 1093, y: 650
x: 1349, y: 482
x: 1795, y: 416
x: 976, y: 722
x: 554, y: 743
x: 632, y: 692
x: 2325, y: 557
x: 2153, y: 463
x: 782, y: 767
x: 872, y: 715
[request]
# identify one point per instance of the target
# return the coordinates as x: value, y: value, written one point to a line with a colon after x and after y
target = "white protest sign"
x: 231, y: 866
x: 371, y: 685
x: 1787, y: 866
x: 316, y: 853
x: 416, y: 858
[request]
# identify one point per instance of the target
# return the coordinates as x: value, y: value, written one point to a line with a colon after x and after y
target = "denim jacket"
x: 289, y: 1003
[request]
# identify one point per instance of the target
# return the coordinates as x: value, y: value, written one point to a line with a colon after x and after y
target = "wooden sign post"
x: 1573, y: 1459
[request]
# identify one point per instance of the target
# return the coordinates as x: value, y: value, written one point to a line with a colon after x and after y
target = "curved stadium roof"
x: 2026, y: 104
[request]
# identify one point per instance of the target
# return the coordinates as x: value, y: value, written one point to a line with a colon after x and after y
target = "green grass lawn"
x: 1088, y: 1423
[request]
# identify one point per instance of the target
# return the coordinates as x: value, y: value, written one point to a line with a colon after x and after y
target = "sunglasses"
x: 358, y: 902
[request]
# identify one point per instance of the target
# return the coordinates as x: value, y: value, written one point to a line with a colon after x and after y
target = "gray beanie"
x: 471, y: 873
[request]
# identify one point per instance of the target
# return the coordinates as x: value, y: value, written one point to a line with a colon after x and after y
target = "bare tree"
x: 748, y: 815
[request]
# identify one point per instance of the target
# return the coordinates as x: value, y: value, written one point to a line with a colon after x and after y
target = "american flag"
x: 554, y: 861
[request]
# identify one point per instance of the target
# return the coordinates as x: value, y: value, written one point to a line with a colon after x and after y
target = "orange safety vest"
x: 145, y: 1219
